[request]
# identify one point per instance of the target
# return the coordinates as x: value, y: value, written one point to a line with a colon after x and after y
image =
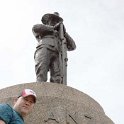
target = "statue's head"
x: 51, y: 19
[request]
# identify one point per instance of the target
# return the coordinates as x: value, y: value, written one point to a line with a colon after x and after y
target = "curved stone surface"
x: 58, y: 104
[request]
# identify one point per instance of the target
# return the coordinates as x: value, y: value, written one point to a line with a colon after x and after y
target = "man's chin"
x: 25, y: 112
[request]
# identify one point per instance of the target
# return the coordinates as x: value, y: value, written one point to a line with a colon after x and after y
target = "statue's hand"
x: 57, y: 26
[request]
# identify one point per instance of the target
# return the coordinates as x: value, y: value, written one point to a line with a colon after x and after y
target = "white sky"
x: 96, y: 67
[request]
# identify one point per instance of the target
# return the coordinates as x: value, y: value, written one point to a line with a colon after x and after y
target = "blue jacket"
x: 9, y: 115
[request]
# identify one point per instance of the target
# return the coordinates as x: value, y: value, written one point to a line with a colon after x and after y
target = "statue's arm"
x: 40, y: 30
x: 70, y: 42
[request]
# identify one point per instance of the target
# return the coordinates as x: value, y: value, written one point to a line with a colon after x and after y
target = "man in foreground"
x: 23, y: 105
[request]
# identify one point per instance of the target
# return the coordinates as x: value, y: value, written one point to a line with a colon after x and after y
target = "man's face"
x: 52, y: 22
x: 24, y: 105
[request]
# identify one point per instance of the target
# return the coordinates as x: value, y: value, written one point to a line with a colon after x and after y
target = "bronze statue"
x: 50, y: 54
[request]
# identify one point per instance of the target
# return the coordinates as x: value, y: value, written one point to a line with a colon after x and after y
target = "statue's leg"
x: 55, y: 69
x: 42, y: 60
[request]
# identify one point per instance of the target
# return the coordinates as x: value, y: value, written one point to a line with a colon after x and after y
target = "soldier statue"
x: 50, y: 54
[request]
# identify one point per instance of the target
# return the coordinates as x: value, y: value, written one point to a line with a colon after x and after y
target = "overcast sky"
x: 96, y: 67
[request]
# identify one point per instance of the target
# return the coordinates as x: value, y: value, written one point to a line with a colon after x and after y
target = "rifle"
x: 63, y: 55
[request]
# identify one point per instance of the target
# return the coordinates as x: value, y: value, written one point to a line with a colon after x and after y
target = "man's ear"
x: 15, y: 100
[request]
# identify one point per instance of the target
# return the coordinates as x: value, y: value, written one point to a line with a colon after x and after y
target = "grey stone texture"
x: 58, y: 104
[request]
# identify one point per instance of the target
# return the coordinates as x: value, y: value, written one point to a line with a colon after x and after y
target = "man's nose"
x: 28, y: 102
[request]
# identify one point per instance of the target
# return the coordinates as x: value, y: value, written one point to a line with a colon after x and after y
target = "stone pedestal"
x: 58, y: 104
